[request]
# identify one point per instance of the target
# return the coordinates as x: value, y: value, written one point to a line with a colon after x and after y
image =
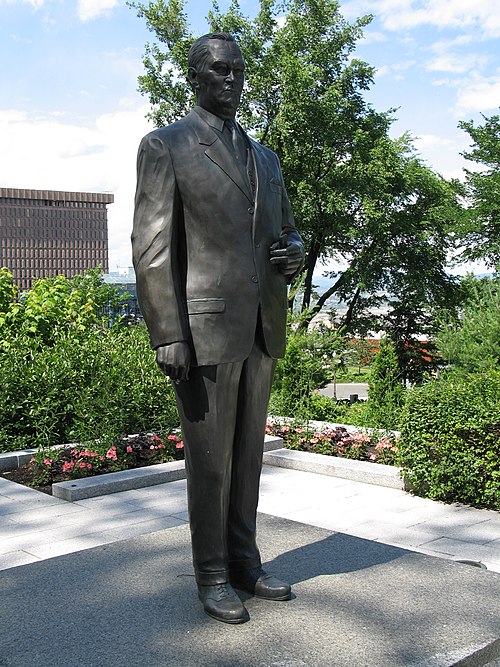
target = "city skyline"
x: 71, y: 117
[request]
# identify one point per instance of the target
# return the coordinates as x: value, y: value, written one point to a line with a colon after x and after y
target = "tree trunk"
x: 311, y: 260
x: 350, y: 311
x: 305, y: 321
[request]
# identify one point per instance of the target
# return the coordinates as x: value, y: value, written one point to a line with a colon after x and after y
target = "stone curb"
x: 322, y: 464
x: 13, y: 460
x: 114, y: 482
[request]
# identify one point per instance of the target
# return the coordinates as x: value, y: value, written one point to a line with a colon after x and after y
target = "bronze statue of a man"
x: 214, y: 243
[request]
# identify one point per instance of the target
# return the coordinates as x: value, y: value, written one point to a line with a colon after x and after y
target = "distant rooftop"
x: 58, y: 195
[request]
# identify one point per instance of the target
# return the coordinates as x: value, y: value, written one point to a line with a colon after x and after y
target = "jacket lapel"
x: 218, y: 153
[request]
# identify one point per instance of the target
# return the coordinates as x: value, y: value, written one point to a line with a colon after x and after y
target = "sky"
x: 71, y: 117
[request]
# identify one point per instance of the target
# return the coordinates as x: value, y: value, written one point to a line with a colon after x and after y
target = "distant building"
x: 45, y: 233
x: 124, y: 280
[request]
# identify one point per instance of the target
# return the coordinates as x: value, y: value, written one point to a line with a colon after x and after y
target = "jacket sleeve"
x: 157, y: 244
x: 288, y: 226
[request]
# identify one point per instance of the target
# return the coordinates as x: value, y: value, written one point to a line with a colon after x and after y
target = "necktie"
x: 237, y: 140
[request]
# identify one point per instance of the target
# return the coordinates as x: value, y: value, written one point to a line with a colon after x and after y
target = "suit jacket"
x: 201, y: 243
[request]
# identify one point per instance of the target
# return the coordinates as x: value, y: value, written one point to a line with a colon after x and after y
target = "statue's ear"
x: 193, y: 78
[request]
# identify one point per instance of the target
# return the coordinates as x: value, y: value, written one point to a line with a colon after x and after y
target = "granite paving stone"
x: 97, y: 538
x: 357, y: 603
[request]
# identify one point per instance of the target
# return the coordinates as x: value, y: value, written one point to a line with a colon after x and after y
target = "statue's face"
x: 218, y: 81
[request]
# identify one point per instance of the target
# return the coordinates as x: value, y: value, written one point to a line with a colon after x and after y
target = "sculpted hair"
x: 199, y: 51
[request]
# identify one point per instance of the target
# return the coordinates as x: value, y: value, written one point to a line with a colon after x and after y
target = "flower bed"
x: 74, y: 462
x: 338, y: 441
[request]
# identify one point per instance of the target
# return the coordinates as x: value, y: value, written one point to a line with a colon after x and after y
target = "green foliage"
x: 471, y: 342
x: 97, y: 384
x: 450, y: 439
x: 479, y: 232
x: 66, y: 375
x: 54, y: 304
x: 8, y: 293
x: 306, y: 366
x: 385, y: 391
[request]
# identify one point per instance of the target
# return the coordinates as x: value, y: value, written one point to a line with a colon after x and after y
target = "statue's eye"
x: 221, y: 69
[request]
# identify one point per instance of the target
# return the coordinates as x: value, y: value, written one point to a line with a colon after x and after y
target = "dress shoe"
x: 261, y: 584
x: 221, y: 602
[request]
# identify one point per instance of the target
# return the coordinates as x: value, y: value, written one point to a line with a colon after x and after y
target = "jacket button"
x: 251, y: 210
x: 255, y: 279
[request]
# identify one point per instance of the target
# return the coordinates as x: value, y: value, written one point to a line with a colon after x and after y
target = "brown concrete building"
x: 46, y: 233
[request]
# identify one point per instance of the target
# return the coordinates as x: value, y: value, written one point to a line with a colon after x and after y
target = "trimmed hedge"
x: 450, y: 439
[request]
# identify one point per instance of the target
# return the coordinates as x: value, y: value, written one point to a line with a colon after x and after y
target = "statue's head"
x: 216, y: 72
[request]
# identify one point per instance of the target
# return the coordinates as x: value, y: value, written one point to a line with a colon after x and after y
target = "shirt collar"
x: 210, y: 118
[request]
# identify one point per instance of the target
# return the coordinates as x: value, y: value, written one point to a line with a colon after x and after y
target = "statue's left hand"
x: 288, y: 260
x: 174, y: 360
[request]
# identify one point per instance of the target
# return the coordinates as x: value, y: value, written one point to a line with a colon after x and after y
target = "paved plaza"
x: 36, y: 526
x: 108, y: 582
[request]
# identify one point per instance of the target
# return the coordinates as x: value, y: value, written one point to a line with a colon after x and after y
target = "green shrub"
x: 472, y: 342
x: 450, y: 440
x: 385, y: 391
x: 87, y: 385
x: 69, y: 372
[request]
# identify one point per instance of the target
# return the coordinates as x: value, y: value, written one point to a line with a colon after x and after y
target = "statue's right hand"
x: 174, y: 360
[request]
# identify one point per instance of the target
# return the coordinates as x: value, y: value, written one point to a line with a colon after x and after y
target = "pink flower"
x: 129, y: 449
x: 32, y: 459
x: 155, y: 438
x: 69, y: 465
x: 179, y: 445
x: 89, y: 466
x: 47, y: 462
x: 173, y: 438
x: 152, y: 447
x: 82, y: 464
x: 111, y: 453
x: 384, y: 444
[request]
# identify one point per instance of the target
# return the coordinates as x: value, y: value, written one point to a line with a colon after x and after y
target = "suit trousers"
x: 223, y: 412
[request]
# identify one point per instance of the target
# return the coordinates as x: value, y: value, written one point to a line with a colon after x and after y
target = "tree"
x: 471, y: 342
x: 358, y: 196
x: 480, y: 230
x: 385, y: 390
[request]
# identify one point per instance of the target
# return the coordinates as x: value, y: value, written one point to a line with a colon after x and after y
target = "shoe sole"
x: 283, y: 598
x: 233, y: 621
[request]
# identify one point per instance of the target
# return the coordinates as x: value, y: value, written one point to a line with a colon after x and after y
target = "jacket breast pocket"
x: 205, y: 306
x: 275, y: 185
